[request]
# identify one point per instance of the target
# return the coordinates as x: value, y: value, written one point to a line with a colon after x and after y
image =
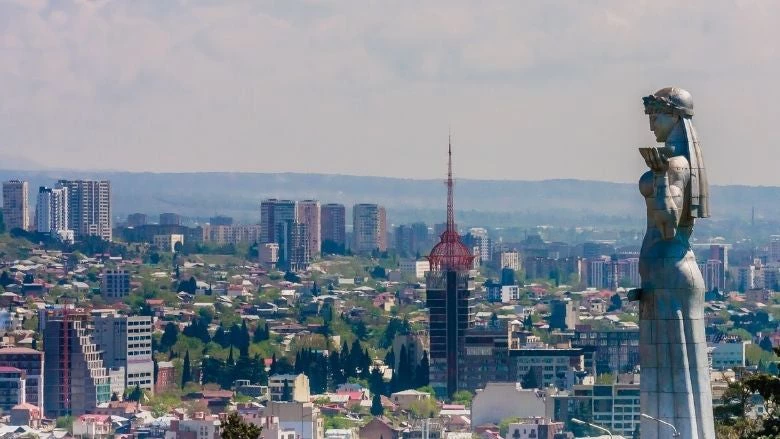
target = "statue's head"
x: 666, y: 107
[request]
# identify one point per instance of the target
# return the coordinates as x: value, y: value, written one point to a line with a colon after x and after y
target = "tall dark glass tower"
x: 448, y: 297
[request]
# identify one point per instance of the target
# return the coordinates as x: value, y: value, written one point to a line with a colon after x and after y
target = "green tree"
x: 462, y: 397
x: 422, y: 374
x: 170, y: 336
x: 286, y: 392
x: 376, y: 405
x: 186, y: 373
x: 136, y: 394
x: 766, y: 344
x: 235, y: 427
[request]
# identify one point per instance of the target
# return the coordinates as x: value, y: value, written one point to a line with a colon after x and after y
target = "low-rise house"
x: 406, y: 398
x: 92, y: 426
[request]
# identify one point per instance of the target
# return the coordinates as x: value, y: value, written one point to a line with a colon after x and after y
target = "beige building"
x: 167, y: 243
x: 231, y: 234
x: 310, y: 215
x: 303, y: 417
x: 499, y: 401
x: 410, y: 267
x: 405, y: 398
x: 510, y: 260
x: 298, y: 385
x: 16, y: 206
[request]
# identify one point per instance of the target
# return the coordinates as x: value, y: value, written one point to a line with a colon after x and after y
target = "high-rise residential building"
x: 293, y: 246
x: 51, y: 211
x: 369, y: 228
x: 136, y: 220
x: 170, y: 219
x: 89, y: 206
x: 714, y: 274
x: 334, y: 231
x: 75, y: 380
x: 720, y: 252
x: 31, y: 362
x: 774, y: 249
x: 449, y: 287
x: 126, y: 342
x: 16, y: 207
x: 115, y: 284
x: 509, y: 260
x: 272, y: 213
x: 309, y: 214
x: 232, y: 234
x: 412, y: 239
x: 479, y: 240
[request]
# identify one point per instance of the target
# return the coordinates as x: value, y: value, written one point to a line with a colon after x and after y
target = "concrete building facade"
x: 126, y: 342
x: 31, y: 362
x: 369, y: 228
x: 89, y: 206
x: 115, y: 283
x: 16, y: 205
x: 75, y: 380
x: 309, y: 213
x: 51, y: 211
x: 333, y: 225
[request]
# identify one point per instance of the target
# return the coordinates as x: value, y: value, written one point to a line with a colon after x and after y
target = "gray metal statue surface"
x: 675, y: 376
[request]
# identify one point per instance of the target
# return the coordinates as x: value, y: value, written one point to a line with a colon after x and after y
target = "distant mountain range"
x: 495, y: 203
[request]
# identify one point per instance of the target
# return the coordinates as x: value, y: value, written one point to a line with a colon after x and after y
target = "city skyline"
x: 380, y: 81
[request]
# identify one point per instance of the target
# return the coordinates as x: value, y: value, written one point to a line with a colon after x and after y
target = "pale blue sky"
x: 532, y: 90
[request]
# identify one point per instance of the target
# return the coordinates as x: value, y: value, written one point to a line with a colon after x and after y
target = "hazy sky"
x: 530, y: 89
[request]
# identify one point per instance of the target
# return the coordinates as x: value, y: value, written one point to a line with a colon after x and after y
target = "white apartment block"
x: 728, y: 355
x: 126, y: 342
x: 16, y: 208
x: 510, y: 260
x: 51, y: 211
x: 89, y: 206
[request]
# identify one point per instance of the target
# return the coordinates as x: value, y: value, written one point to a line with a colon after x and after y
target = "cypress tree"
x: 422, y: 376
x: 376, y: 406
x: 186, y: 374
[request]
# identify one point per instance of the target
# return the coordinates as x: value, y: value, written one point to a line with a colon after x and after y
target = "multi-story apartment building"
x: 333, y: 226
x: 617, y: 349
x: 272, y: 213
x: 12, y: 388
x: 89, y: 205
x: 115, y: 283
x: 303, y: 417
x: 231, y: 234
x: 16, y: 207
x: 478, y: 240
x: 369, y: 228
x: 126, y: 342
x: 200, y: 426
x: 728, y: 354
x: 613, y: 406
x: 714, y: 274
x: 75, y: 380
x: 297, y: 386
x: 167, y: 242
x: 293, y: 245
x: 170, y: 219
x: 31, y: 362
x: 51, y: 212
x: 414, y: 268
x: 412, y: 239
x: 309, y: 214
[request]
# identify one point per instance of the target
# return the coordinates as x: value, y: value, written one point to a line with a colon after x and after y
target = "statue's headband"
x: 666, y: 104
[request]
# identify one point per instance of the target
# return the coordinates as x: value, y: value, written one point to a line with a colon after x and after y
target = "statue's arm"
x: 667, y: 204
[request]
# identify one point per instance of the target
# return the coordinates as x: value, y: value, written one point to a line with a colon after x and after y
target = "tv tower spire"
x: 450, y: 254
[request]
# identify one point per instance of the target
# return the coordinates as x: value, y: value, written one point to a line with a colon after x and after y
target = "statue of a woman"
x: 675, y: 376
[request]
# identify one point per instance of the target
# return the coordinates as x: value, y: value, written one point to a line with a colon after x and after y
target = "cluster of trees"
x: 732, y: 416
x: 237, y: 336
x: 225, y: 373
x: 410, y: 374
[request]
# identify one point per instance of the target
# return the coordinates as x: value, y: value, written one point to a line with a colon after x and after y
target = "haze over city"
x: 530, y: 90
